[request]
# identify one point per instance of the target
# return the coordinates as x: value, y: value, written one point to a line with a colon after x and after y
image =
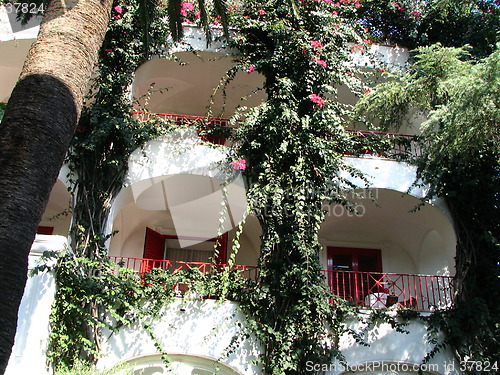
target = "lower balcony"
x: 374, y: 290
x: 385, y: 290
x: 142, y: 265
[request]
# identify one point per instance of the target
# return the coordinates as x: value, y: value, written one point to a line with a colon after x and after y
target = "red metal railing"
x: 141, y: 265
x: 366, y: 289
x: 402, y: 145
x: 188, y: 120
x: 382, y: 290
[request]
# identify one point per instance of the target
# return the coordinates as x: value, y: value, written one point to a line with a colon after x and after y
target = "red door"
x: 154, y: 249
x: 353, y: 272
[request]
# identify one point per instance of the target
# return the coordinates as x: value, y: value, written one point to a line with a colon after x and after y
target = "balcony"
x: 363, y: 289
x: 183, y: 120
x: 384, y: 290
x: 144, y: 265
x: 402, y: 146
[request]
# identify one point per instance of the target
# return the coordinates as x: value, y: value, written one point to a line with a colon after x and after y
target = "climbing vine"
x: 104, y: 139
x: 293, y: 145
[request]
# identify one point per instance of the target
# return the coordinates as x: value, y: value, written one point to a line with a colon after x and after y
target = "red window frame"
x: 45, y: 230
x: 154, y: 247
x: 354, y: 284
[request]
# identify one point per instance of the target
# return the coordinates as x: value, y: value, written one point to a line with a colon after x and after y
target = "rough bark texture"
x: 34, y: 136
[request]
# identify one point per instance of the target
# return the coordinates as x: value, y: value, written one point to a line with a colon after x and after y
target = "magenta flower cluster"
x: 320, y: 102
x: 239, y: 164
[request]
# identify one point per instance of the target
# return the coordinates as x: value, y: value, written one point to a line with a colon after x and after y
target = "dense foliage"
x: 413, y: 23
x: 461, y: 140
x: 293, y: 144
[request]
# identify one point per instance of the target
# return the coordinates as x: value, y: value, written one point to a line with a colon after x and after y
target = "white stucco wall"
x: 390, y: 350
x: 195, y: 331
x: 193, y: 327
x: 386, y: 174
x: 28, y: 353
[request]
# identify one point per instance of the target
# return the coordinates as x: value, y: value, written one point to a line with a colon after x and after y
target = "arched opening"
x: 392, y: 245
x: 181, y: 364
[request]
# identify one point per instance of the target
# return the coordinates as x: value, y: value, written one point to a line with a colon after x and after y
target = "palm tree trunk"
x: 34, y: 136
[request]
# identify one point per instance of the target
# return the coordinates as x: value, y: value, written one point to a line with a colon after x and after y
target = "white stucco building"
x: 169, y: 210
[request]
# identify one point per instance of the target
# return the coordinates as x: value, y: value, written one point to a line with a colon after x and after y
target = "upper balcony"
x: 401, y: 146
x: 184, y: 85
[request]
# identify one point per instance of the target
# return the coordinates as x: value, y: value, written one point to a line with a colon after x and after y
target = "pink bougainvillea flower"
x: 316, y: 44
x: 317, y: 99
x: 367, y: 41
x: 187, y: 6
x: 216, y: 21
x: 366, y: 92
x: 415, y: 13
x: 197, y: 14
x: 320, y: 62
x: 250, y: 69
x: 398, y: 7
x: 335, y: 13
x: 118, y: 9
x: 261, y: 12
x: 357, y: 47
x: 239, y: 164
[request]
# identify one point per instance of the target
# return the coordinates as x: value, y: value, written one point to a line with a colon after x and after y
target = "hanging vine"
x: 105, y: 137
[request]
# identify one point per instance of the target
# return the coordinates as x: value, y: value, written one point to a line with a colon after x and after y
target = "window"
x: 353, y: 272
x: 45, y: 230
x: 159, y: 246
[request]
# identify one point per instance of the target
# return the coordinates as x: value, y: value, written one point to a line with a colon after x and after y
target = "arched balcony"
x: 171, y: 212
x: 391, y: 251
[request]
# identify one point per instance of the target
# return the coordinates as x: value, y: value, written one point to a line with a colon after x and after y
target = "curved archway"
x: 186, y: 86
x: 182, y: 364
x: 412, y: 241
